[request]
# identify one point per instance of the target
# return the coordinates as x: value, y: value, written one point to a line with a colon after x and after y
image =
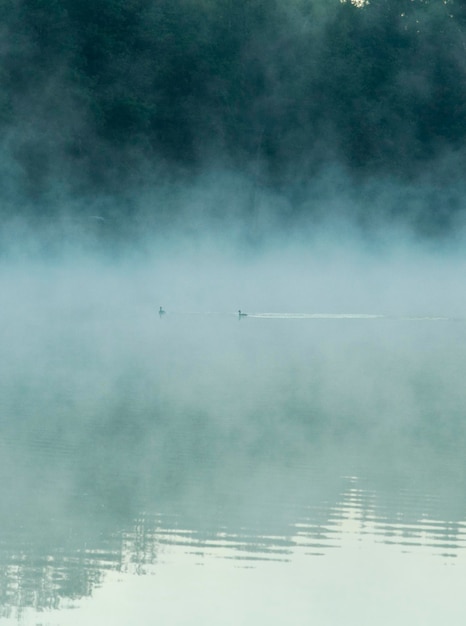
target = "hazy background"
x: 207, y: 156
x: 155, y: 114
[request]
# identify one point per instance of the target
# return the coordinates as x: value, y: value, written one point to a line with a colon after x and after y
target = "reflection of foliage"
x: 122, y: 443
x: 380, y: 88
x: 43, y: 575
x: 247, y: 513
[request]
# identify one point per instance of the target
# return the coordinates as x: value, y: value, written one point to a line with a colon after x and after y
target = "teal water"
x: 204, y: 469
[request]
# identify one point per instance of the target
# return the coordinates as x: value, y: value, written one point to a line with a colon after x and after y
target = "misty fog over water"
x: 301, y: 163
x: 128, y: 436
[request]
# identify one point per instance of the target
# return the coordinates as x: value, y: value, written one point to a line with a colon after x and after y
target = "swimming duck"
x: 161, y: 312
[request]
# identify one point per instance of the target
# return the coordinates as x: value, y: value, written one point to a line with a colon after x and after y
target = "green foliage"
x: 380, y: 88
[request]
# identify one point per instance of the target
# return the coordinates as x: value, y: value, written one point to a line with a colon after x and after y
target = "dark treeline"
x: 102, y: 95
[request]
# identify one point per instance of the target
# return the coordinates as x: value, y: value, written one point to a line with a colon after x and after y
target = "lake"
x: 203, y: 469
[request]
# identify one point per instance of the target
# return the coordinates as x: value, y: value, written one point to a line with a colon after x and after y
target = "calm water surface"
x: 208, y: 470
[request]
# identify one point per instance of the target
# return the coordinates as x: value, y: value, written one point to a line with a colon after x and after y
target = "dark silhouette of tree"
x: 96, y: 94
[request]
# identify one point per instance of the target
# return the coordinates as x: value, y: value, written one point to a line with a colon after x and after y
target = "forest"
x: 102, y: 97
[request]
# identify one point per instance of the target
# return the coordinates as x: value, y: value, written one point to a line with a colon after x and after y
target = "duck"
x: 161, y: 311
x: 241, y: 314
